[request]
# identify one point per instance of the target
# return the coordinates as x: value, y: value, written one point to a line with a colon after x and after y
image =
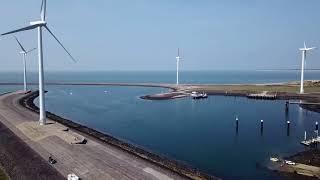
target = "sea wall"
x: 177, y: 167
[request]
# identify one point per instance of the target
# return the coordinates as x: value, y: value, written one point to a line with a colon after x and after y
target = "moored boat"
x: 196, y: 95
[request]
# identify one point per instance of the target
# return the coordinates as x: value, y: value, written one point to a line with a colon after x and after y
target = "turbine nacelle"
x: 307, y: 49
x: 38, y: 23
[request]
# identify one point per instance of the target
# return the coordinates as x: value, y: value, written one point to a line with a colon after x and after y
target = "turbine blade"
x: 43, y: 10
x: 41, y: 6
x: 21, y: 29
x: 31, y: 50
x: 304, y: 43
x: 60, y: 44
x: 20, y: 44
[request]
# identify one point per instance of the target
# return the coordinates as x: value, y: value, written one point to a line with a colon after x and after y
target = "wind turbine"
x: 40, y: 25
x: 178, y: 61
x: 304, y: 55
x: 24, y: 55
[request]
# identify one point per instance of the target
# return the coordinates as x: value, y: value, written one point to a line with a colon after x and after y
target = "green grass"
x: 257, y: 88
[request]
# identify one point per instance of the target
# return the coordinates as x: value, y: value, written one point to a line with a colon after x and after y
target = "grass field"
x: 255, y: 88
x: 288, y: 88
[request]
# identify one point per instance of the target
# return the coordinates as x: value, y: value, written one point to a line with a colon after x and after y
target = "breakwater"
x: 172, y: 165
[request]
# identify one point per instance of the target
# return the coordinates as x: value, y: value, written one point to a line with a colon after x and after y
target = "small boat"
x: 290, y: 162
x: 196, y: 95
x: 273, y: 159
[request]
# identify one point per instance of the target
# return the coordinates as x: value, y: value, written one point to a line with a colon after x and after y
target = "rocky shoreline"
x: 175, y: 166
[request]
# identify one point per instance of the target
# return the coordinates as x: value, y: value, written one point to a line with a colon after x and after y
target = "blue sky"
x: 145, y: 34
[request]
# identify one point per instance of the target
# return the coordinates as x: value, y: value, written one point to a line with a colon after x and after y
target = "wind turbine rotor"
x: 41, y: 23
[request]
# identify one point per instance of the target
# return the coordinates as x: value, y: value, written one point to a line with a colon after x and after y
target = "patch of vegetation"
x: 258, y: 88
x: 3, y: 175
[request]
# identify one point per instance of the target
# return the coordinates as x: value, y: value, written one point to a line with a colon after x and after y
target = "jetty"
x: 311, y: 142
x: 81, y: 152
x: 303, y: 103
x: 263, y: 95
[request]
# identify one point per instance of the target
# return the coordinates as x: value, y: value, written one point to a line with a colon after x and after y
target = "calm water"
x: 200, y: 133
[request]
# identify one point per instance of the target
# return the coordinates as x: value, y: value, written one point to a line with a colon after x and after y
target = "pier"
x: 310, y: 142
x: 82, y: 153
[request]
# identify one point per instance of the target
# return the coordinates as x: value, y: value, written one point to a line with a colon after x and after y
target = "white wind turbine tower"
x: 24, y: 55
x: 178, y: 61
x: 40, y: 25
x: 304, y: 55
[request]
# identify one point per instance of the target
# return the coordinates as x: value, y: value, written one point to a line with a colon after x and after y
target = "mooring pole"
x: 261, y: 127
x: 288, y: 128
x: 237, y: 125
x: 287, y: 106
x: 317, y: 129
x: 305, y: 135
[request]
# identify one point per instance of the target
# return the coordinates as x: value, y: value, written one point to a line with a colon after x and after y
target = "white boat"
x: 290, y: 162
x: 273, y: 159
x: 73, y: 177
x: 196, y: 95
